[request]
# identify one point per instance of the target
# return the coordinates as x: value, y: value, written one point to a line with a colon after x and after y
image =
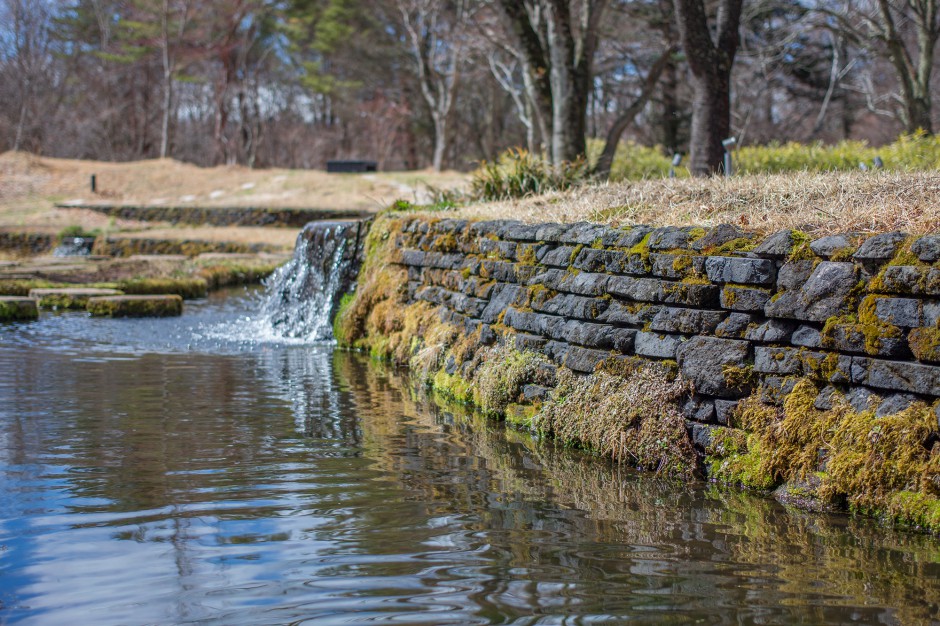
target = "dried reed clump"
x: 631, y: 415
x: 818, y: 203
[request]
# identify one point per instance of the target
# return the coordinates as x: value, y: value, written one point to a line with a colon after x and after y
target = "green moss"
x: 597, y: 244
x: 642, y: 248
x: 527, y: 257
x: 18, y: 311
x: 521, y: 415
x: 454, y: 387
x: 338, y: 330
x: 740, y: 244
x: 22, y: 287
x: 843, y: 254
x: 741, y: 467
x: 574, y: 253
x: 925, y: 344
x: 136, y: 306
x: 739, y: 378
x: 878, y: 466
x: 682, y: 262
x: 801, y: 250
x: 188, y: 288
x: 499, y: 379
x: 871, y: 334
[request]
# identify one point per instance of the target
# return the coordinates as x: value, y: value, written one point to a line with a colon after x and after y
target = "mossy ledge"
x: 640, y: 365
x: 136, y: 306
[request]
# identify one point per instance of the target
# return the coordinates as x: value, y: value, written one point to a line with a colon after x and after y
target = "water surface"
x: 195, y: 470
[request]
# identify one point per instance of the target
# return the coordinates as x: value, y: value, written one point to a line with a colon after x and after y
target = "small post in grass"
x: 676, y: 160
x: 94, y: 183
x: 728, y: 144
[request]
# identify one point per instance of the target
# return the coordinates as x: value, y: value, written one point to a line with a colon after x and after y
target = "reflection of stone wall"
x: 858, y: 316
x: 221, y: 216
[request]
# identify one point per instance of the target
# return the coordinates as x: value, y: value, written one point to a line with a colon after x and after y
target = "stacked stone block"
x: 861, y: 316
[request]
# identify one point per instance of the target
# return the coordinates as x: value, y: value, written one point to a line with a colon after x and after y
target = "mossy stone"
x: 69, y: 297
x: 188, y: 288
x: 17, y: 308
x: 136, y: 306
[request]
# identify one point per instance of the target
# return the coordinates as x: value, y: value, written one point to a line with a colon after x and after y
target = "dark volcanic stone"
x: 927, y: 248
x: 880, y: 247
x: 734, y: 326
x: 771, y: 331
x: 824, y: 294
x: 705, y: 359
x: 725, y: 269
x: 776, y: 246
x: 719, y: 235
x: 827, y: 246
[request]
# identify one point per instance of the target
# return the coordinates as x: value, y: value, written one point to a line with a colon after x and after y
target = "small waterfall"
x: 303, y: 294
x: 74, y: 246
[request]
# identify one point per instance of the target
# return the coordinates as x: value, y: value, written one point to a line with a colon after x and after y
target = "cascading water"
x: 74, y: 246
x: 303, y: 294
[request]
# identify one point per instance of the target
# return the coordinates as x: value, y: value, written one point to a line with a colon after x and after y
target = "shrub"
x: 518, y: 173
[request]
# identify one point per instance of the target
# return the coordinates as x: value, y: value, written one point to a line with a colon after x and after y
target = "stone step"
x: 14, y: 308
x: 136, y: 306
x: 69, y: 297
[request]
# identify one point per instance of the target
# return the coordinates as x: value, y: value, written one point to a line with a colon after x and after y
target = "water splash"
x: 74, y: 246
x: 303, y: 294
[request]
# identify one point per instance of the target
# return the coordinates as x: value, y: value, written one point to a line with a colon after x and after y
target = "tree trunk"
x: 710, y: 62
x: 440, y: 143
x: 711, y: 123
x: 917, y: 115
x: 602, y: 169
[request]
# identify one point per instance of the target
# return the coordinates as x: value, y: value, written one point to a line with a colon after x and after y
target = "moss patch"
x: 925, y: 344
x: 878, y: 466
x: 187, y: 288
x: 136, y: 306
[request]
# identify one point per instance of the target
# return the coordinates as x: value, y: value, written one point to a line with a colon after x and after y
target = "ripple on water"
x: 175, y: 471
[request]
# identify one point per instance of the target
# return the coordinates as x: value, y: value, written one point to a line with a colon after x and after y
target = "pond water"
x: 193, y: 470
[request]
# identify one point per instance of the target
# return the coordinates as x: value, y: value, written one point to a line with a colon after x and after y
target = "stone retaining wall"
x: 128, y: 246
x: 26, y: 243
x: 858, y: 315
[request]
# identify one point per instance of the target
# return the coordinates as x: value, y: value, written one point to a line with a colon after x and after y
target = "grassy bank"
x: 816, y: 203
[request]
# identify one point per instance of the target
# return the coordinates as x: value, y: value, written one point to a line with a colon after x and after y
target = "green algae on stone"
x: 187, y: 288
x: 136, y: 306
x: 17, y: 308
x: 69, y: 297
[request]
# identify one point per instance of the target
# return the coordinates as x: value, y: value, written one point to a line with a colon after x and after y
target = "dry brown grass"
x: 31, y: 185
x: 817, y: 203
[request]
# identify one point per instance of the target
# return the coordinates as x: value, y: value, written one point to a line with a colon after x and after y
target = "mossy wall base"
x: 754, y: 354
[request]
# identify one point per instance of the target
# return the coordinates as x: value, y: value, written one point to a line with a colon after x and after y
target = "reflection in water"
x: 304, y: 485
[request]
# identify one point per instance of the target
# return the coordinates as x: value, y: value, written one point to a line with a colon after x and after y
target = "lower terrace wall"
x: 741, y: 317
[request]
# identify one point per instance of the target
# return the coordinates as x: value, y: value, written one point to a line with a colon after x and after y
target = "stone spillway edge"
x: 136, y: 306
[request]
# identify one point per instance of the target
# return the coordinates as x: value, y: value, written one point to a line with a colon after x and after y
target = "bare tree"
x: 558, y: 40
x: 29, y: 57
x: 905, y: 32
x: 436, y: 36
